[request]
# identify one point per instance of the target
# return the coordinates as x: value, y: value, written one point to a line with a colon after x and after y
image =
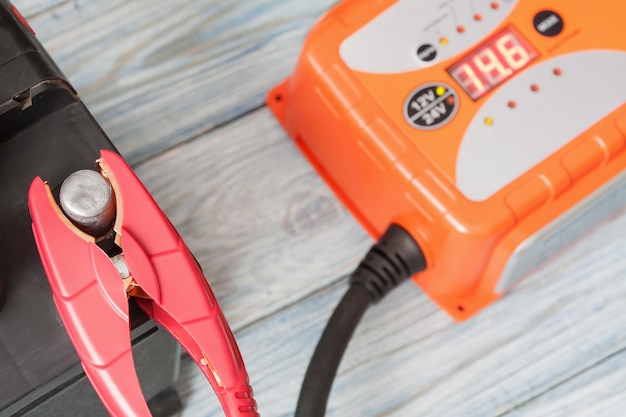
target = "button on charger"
x: 548, y: 23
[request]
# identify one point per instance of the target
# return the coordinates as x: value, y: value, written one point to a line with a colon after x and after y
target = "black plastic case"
x: 46, y: 131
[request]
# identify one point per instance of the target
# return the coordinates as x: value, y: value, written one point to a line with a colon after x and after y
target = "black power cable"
x: 395, y: 258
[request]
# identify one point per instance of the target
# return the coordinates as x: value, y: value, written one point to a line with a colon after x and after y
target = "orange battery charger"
x: 492, y: 131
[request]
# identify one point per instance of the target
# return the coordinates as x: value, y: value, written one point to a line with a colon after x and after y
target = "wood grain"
x: 599, y: 391
x: 409, y: 359
x: 155, y: 74
x: 275, y: 243
x: 32, y: 8
x: 250, y: 208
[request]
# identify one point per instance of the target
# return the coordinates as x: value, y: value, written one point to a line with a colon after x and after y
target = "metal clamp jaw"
x: 154, y: 266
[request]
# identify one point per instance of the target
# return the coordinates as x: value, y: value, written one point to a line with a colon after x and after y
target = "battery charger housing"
x: 510, y: 178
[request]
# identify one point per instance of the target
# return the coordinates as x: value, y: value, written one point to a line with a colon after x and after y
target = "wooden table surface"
x: 179, y: 87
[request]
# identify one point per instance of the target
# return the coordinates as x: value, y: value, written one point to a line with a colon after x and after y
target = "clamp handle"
x: 92, y: 304
x: 180, y: 299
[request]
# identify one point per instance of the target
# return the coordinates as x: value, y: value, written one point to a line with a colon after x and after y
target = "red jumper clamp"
x: 91, y: 292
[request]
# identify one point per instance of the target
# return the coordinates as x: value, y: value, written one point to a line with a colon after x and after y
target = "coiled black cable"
x: 395, y: 258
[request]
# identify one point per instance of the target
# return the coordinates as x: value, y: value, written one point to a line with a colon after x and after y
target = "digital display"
x: 493, y: 62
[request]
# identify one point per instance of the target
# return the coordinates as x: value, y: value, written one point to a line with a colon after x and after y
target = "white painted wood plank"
x: 32, y: 8
x: 268, y: 232
x: 408, y: 359
x: 156, y: 73
x: 596, y: 392
x: 250, y: 208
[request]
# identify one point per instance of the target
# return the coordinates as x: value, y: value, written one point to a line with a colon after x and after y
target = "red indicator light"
x: 493, y: 62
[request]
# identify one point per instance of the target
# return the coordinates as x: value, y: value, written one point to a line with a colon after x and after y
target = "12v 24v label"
x: 430, y: 106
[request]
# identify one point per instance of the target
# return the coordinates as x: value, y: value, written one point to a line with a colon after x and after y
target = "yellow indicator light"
x: 488, y: 121
x: 443, y: 41
x: 440, y: 91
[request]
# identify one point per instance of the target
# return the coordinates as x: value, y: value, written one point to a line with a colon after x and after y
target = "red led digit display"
x: 494, y: 61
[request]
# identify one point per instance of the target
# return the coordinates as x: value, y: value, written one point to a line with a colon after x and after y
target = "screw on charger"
x: 87, y: 199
